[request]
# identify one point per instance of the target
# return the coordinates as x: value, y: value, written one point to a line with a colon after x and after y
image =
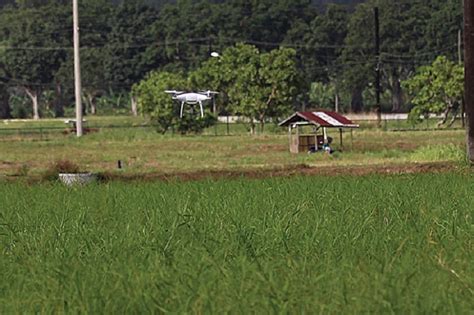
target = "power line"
x: 203, y: 41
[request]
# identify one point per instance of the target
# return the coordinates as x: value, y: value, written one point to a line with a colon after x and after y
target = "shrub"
x: 60, y: 166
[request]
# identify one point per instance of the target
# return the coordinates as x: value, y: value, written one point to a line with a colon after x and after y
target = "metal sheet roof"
x: 320, y: 118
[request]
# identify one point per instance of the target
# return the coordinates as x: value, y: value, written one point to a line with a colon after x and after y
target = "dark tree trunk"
x: 5, y: 110
x: 58, y: 101
x: 445, y: 115
x: 469, y: 75
x: 357, y: 102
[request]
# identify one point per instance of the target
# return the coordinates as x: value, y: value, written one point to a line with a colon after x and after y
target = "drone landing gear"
x: 192, y: 109
x: 181, y: 111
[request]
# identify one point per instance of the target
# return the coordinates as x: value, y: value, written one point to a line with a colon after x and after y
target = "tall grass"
x: 396, y: 244
x: 447, y: 152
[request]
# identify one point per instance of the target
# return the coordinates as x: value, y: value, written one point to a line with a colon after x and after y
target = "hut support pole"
x: 297, y: 139
x: 352, y: 139
x: 340, y: 138
x: 290, y: 137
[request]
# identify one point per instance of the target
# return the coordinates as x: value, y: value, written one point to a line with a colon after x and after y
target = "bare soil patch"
x: 298, y: 170
x: 253, y: 173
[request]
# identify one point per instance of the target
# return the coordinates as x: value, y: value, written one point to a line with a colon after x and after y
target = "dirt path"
x: 299, y: 170
x: 290, y: 171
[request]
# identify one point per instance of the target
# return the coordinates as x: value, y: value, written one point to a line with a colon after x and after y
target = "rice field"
x: 339, y: 245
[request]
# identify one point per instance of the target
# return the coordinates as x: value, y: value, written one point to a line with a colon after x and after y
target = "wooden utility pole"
x: 469, y: 75
x: 77, y: 69
x: 378, y: 106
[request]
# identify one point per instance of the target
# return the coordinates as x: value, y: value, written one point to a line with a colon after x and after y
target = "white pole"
x: 77, y: 69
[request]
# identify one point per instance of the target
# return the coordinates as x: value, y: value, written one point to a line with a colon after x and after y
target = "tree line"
x: 331, y: 51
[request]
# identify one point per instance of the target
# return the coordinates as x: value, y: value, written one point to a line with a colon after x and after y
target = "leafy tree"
x: 95, y: 32
x: 322, y: 95
x: 123, y: 40
x: 403, y: 37
x: 357, y: 55
x: 154, y: 102
x: 32, y: 57
x: 437, y: 89
x: 210, y: 76
x: 37, y: 3
x: 319, y: 47
x: 129, y: 50
x: 265, y: 85
x: 268, y: 21
x: 95, y: 35
x: 161, y: 109
x: 441, y: 20
x: 282, y: 82
x: 185, y: 32
x: 325, y: 41
x: 412, y: 33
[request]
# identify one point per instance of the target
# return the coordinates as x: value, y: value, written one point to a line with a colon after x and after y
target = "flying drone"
x: 191, y: 98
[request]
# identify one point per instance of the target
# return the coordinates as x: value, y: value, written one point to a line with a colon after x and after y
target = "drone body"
x: 191, y: 98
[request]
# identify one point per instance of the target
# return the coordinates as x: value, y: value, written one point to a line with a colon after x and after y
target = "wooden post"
x: 289, y: 137
x: 352, y: 140
x: 469, y: 75
x: 340, y: 139
x: 297, y: 139
x: 378, y: 106
x: 315, y: 141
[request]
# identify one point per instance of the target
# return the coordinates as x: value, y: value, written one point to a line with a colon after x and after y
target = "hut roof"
x: 321, y: 118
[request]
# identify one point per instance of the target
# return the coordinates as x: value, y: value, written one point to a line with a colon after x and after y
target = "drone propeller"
x: 209, y: 93
x: 173, y: 92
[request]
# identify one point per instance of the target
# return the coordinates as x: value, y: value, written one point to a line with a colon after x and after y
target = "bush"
x: 61, y: 166
x: 191, y: 124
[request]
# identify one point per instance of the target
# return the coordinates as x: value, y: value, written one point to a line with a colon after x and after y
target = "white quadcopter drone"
x: 191, y: 98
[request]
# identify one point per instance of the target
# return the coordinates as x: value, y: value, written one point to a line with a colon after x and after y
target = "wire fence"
x: 48, y: 130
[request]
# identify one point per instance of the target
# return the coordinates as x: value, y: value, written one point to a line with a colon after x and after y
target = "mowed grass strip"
x: 375, y: 244
x: 147, y: 152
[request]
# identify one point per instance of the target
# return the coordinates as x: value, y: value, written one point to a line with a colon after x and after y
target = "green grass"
x: 340, y: 245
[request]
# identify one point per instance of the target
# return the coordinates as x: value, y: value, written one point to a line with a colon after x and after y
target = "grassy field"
x: 336, y: 245
x: 142, y: 150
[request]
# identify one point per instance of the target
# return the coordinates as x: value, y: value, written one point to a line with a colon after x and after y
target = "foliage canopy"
x: 436, y: 88
x: 122, y: 41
